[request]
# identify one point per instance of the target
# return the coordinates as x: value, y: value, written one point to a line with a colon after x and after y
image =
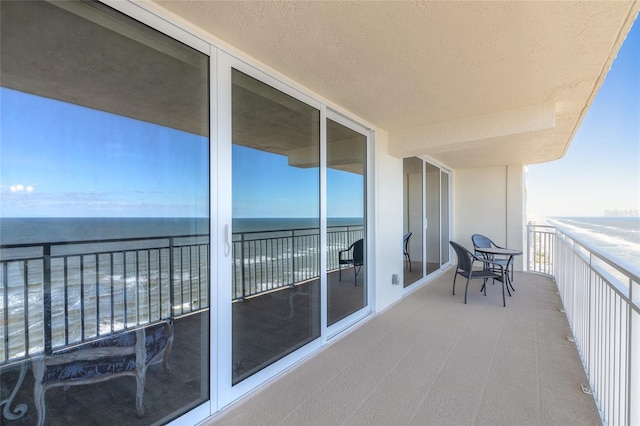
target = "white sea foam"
x: 618, y: 240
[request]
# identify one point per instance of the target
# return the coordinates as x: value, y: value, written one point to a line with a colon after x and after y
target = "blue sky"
x: 264, y: 185
x: 62, y: 160
x: 104, y: 165
x: 601, y: 169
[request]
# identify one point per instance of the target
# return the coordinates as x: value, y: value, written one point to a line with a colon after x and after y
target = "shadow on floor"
x: 166, y: 395
x: 265, y: 328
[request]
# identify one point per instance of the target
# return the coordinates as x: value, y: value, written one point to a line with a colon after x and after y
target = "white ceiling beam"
x: 436, y: 137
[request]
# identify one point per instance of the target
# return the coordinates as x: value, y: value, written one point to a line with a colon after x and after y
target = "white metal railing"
x: 540, y: 248
x: 601, y: 298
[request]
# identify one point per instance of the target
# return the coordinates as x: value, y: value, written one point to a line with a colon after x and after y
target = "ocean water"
x: 617, y: 236
x: 47, y: 230
x: 99, y: 287
x: 64, y: 229
x: 268, y: 224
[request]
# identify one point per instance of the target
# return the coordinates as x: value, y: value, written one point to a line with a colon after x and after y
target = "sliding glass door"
x: 413, y: 218
x: 281, y: 291
x: 444, y: 218
x: 104, y: 225
x: 432, y: 218
x: 346, y: 224
x: 426, y: 219
x: 135, y: 198
x: 276, y: 225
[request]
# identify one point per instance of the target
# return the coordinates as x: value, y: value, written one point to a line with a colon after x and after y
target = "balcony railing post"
x: 46, y: 283
x: 5, y: 309
x: 171, y: 271
x: 242, y: 265
x: 293, y: 258
x: 529, y: 231
x: 633, y: 353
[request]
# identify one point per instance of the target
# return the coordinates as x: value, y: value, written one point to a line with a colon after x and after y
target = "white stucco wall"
x: 490, y: 201
x: 389, y: 223
x: 517, y: 212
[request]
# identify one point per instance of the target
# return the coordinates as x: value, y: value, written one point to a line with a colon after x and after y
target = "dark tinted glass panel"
x: 413, y: 220
x: 104, y: 218
x: 346, y: 237
x: 444, y: 209
x: 276, y: 225
x: 432, y: 249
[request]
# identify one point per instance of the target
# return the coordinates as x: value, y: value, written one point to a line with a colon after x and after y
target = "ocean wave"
x: 618, y: 240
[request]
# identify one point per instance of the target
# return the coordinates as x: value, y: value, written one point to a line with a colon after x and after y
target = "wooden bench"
x: 125, y: 354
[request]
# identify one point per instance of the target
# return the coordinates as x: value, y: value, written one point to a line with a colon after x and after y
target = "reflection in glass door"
x: 432, y: 208
x: 444, y: 215
x: 111, y: 279
x: 276, y: 223
x: 346, y: 225
x: 413, y: 220
x: 426, y: 219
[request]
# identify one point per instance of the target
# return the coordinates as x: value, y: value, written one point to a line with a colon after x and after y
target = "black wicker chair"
x: 405, y: 243
x: 352, y: 257
x: 466, y: 260
x: 480, y: 241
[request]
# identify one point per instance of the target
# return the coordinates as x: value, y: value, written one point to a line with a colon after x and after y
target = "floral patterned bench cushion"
x: 157, y: 338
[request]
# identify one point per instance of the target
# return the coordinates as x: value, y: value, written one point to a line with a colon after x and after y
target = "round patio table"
x: 501, y: 251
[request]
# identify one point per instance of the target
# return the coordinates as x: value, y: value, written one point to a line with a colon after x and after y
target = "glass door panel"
x: 413, y: 220
x: 276, y: 225
x: 104, y: 232
x: 432, y: 208
x: 346, y: 224
x: 444, y: 215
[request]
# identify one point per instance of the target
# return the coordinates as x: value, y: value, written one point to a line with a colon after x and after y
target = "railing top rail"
x: 155, y: 238
x: 619, y: 264
x: 268, y: 231
x: 545, y: 228
x: 98, y: 241
x: 540, y: 226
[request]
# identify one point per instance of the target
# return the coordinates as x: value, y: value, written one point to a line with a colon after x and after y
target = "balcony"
x: 427, y: 359
x: 431, y: 359
x: 186, y: 67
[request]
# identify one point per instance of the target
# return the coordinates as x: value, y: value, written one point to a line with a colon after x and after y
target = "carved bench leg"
x: 38, y: 389
x: 20, y: 409
x: 141, y: 369
x: 140, y: 379
x: 167, y: 351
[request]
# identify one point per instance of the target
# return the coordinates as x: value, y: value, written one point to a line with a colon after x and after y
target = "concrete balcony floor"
x: 431, y: 359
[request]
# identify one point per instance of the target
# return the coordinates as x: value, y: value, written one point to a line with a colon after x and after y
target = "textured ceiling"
x: 406, y: 65
x: 470, y: 84
x: 50, y: 51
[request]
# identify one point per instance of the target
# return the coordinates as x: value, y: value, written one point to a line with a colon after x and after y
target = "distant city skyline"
x: 615, y: 212
x: 600, y: 173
